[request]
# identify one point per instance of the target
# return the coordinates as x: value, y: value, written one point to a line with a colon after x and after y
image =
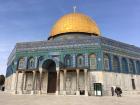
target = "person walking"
x: 118, y: 91
x: 112, y: 91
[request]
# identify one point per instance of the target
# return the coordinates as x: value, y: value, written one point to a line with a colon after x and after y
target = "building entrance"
x: 50, y: 66
x: 98, y: 89
x: 51, y: 82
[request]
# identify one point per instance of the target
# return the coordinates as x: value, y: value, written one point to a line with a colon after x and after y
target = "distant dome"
x: 75, y: 22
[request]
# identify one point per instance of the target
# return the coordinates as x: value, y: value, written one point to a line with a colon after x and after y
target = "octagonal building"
x: 75, y: 60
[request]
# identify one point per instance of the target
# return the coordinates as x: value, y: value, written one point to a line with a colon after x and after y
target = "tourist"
x: 112, y: 91
x: 118, y: 91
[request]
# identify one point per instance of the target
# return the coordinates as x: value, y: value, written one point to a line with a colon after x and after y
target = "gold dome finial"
x: 75, y: 22
x: 74, y: 9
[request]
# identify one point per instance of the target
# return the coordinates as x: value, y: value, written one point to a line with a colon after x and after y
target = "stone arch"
x: 49, y: 65
x: 131, y: 66
x: 124, y: 65
x: 116, y: 64
x: 92, y: 61
x: 68, y: 60
x: 107, y: 62
x: 80, y: 60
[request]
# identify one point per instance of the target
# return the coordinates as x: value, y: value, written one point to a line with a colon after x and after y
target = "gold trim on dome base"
x: 75, y: 22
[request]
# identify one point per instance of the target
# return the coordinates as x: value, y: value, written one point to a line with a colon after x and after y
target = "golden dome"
x: 75, y: 22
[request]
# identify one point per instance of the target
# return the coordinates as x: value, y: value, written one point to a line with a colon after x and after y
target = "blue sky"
x: 31, y: 20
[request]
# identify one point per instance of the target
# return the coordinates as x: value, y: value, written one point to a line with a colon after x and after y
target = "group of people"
x: 116, y: 90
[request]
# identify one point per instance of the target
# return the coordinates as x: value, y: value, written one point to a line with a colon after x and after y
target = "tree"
x: 2, y: 80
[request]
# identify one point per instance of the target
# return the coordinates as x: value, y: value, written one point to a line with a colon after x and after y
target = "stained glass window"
x: 124, y: 65
x: 131, y: 66
x: 106, y: 62
x: 21, y: 63
x: 116, y: 66
x: 138, y: 66
x: 92, y: 59
x: 68, y: 61
x: 31, y: 64
x: 80, y: 61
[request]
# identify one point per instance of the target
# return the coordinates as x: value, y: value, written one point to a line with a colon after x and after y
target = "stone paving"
x: 8, y: 99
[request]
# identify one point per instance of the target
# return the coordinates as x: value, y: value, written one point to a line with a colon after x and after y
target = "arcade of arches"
x: 50, y: 80
x: 70, y: 81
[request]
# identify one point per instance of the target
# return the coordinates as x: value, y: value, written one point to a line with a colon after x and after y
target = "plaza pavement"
x: 8, y: 99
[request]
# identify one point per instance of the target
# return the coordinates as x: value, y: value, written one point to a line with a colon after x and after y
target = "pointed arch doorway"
x: 50, y: 66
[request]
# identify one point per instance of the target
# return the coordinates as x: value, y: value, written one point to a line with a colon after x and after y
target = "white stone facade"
x: 24, y: 83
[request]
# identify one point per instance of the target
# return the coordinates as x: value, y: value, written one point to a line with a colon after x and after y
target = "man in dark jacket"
x: 118, y: 91
x: 112, y: 91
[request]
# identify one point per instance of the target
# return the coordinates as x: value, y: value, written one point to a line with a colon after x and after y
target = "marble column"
x: 85, y: 75
x: 57, y: 83
x: 65, y: 76
x: 25, y: 79
x: 16, y: 83
x: 77, y: 82
x: 40, y: 82
x: 22, y: 82
x: 47, y: 82
x: 33, y: 83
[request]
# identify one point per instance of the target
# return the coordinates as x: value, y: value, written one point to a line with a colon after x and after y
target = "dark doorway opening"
x: 97, y: 89
x: 51, y: 82
x: 133, y: 84
x: 50, y: 66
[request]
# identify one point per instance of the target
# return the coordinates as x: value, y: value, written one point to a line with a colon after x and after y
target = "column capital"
x: 77, y: 70
x: 40, y: 69
x: 34, y: 71
x: 57, y: 68
x: 65, y: 70
x: 85, y: 70
x: 23, y: 71
x: 17, y: 71
x: 40, y: 72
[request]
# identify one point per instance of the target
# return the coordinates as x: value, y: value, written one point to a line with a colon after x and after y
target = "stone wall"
x: 109, y: 79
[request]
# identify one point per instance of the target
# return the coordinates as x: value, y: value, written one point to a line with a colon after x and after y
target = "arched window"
x: 124, y: 65
x: 92, y: 62
x: 131, y: 66
x: 21, y: 63
x: 31, y: 63
x: 68, y: 61
x: 138, y: 67
x: 80, y: 61
x: 116, y: 66
x: 106, y: 62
